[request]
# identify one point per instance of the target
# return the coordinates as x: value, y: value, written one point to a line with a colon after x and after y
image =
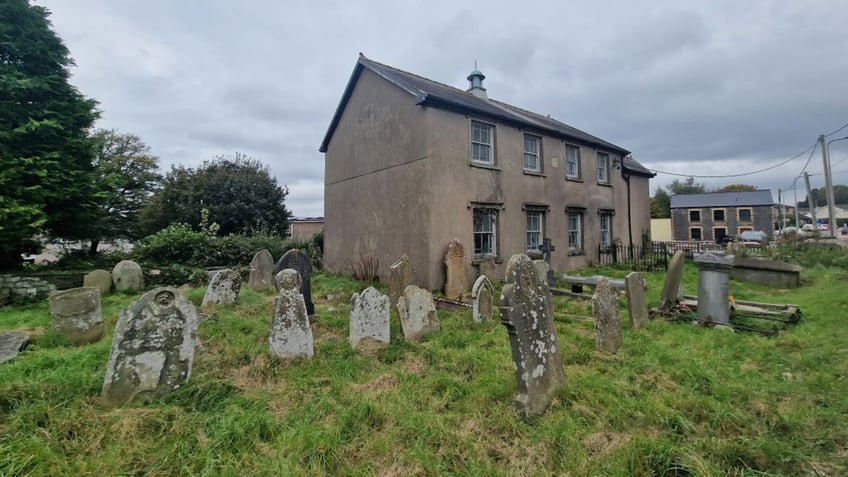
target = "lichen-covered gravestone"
x: 101, y: 279
x: 456, y: 280
x: 291, y: 334
x: 369, y: 319
x: 482, y: 298
x: 153, y: 347
x: 223, y: 289
x: 527, y: 315
x: 672, y: 291
x: 11, y: 344
x: 400, y: 278
x: 261, y: 271
x: 127, y: 276
x: 299, y: 261
x: 76, y: 314
x: 417, y: 312
x: 607, y: 320
x: 637, y: 305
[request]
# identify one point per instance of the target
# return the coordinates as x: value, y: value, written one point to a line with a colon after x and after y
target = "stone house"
x: 712, y: 216
x: 411, y: 163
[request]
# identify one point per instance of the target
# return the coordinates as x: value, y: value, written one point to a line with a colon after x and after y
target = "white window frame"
x: 485, y: 231
x: 482, y: 139
x: 606, y: 229
x: 533, y: 155
x: 572, y: 162
x: 575, y: 232
x: 535, y: 220
x: 603, y: 168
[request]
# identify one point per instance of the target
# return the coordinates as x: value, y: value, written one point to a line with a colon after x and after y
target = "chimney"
x: 476, y: 79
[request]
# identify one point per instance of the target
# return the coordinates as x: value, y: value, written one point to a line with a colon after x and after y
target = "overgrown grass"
x: 676, y: 400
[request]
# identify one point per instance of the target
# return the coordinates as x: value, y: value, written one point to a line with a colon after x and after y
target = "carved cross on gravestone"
x: 547, y: 248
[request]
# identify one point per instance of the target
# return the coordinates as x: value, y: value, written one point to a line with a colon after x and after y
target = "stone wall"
x: 24, y: 287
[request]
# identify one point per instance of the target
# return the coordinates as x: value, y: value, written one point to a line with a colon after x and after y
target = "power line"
x: 834, y: 132
x: 724, y: 176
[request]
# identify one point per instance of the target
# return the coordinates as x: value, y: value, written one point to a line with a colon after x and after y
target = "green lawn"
x: 676, y: 400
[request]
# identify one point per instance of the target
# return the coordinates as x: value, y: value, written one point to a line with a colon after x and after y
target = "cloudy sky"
x: 697, y: 87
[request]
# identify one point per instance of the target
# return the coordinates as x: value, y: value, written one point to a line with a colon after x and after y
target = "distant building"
x: 303, y: 229
x: 714, y: 215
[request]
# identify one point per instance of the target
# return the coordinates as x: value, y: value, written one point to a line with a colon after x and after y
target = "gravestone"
x: 456, y: 280
x: 489, y: 268
x: 11, y: 344
x: 127, y: 276
x: 401, y: 277
x: 672, y: 291
x: 291, y: 334
x: 417, y: 312
x: 542, y: 269
x: 100, y: 279
x: 261, y: 271
x: 637, y: 305
x: 153, y: 348
x: 547, y: 248
x: 369, y: 318
x: 299, y: 261
x: 714, y: 287
x: 76, y: 314
x: 527, y: 315
x: 223, y: 289
x: 482, y: 297
x: 607, y: 321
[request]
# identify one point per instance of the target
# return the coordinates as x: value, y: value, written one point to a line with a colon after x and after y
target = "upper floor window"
x: 535, y: 229
x: 694, y: 216
x: 532, y: 153
x: 572, y: 162
x: 485, y: 232
x: 603, y: 168
x: 718, y: 215
x: 482, y: 143
x: 744, y: 215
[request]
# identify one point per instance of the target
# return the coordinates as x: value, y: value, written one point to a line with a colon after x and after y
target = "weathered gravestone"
x: 76, y: 314
x: 637, y: 305
x: 100, y: 279
x: 11, y: 344
x: 127, y: 276
x: 223, y: 289
x: 607, y: 321
x: 482, y: 298
x: 527, y: 315
x: 153, y: 347
x: 542, y: 269
x: 291, y: 334
x: 714, y: 287
x: 489, y: 268
x: 401, y: 277
x: 369, y: 318
x: 261, y: 271
x: 299, y: 261
x: 672, y: 291
x: 456, y: 280
x: 417, y: 313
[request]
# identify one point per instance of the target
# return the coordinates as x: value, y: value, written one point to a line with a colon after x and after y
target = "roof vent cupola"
x: 476, y: 79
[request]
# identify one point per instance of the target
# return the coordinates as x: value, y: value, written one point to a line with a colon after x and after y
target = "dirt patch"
x: 602, y: 443
x: 257, y: 375
x: 414, y: 364
x: 397, y: 469
x: 384, y: 382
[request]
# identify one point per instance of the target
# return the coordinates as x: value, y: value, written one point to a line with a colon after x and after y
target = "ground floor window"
x: 606, y: 230
x: 575, y: 232
x: 535, y: 229
x: 695, y: 233
x: 720, y: 233
x: 485, y: 232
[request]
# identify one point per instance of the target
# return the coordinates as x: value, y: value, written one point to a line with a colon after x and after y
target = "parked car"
x: 753, y: 238
x: 725, y: 240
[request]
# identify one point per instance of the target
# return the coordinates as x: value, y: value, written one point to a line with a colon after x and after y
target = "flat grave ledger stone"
x: 76, y: 314
x: 297, y: 260
x: 11, y: 344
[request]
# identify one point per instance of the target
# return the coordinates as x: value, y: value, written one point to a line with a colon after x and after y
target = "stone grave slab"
x: 482, y: 299
x: 417, y: 312
x: 608, y: 335
x: 456, y: 279
x: 127, y: 276
x: 12, y: 343
x: 100, y: 279
x: 261, y: 271
x: 637, y: 304
x: 400, y: 278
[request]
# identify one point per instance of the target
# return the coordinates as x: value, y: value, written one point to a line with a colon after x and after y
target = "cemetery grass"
x: 676, y: 400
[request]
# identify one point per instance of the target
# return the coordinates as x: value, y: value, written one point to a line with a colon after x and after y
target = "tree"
x: 737, y: 188
x: 238, y: 194
x: 687, y: 187
x: 660, y: 204
x: 45, y: 153
x: 127, y: 175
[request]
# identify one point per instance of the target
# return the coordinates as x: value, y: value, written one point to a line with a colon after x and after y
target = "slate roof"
x: 723, y: 199
x: 431, y: 93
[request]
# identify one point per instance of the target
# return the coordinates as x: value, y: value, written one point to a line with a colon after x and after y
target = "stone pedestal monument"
x: 713, y: 287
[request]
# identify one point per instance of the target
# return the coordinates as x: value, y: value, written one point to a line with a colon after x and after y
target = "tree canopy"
x: 689, y: 186
x: 238, y: 194
x: 737, y: 188
x: 46, y: 176
x: 660, y: 204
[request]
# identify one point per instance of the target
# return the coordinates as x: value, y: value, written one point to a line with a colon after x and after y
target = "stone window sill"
x: 576, y: 253
x: 534, y: 173
x: 478, y: 260
x: 605, y: 184
x: 481, y: 165
x: 573, y: 179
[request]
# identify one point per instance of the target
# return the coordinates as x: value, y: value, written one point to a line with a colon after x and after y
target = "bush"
x: 813, y: 253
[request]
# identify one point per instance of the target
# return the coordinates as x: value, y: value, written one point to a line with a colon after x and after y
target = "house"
x: 302, y: 229
x: 714, y: 215
x: 411, y: 164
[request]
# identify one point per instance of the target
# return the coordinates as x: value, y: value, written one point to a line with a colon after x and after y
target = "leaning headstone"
x: 489, y: 268
x: 76, y: 314
x: 11, y: 344
x: 672, y: 291
x: 291, y: 334
x: 417, y: 313
x: 299, y: 261
x: 714, y: 287
x: 607, y: 321
x: 369, y: 318
x: 637, y: 305
x: 261, y: 271
x: 456, y: 280
x: 527, y: 315
x: 101, y: 279
x: 127, y: 276
x: 400, y: 278
x: 223, y: 289
x: 482, y: 297
x: 153, y: 348
x: 542, y: 269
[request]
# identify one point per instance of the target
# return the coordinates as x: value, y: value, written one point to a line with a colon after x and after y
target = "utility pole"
x: 795, y: 193
x: 810, y: 200
x: 828, y: 183
x: 780, y: 210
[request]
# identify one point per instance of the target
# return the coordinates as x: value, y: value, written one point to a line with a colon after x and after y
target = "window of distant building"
x: 695, y: 233
x: 745, y: 215
x: 694, y: 216
x: 532, y: 153
x: 482, y: 143
x: 603, y: 168
x: 535, y: 229
x: 575, y: 232
x: 606, y: 229
x: 718, y: 215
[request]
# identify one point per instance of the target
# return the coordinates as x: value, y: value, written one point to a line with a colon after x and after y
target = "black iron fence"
x: 655, y: 255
